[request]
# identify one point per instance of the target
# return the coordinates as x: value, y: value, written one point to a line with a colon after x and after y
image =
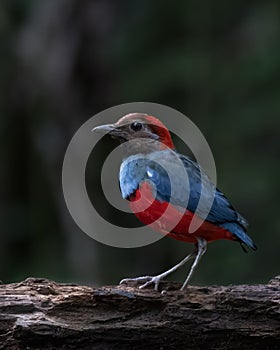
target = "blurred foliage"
x: 64, y: 60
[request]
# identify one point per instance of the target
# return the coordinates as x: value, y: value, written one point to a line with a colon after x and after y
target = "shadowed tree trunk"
x: 38, y: 313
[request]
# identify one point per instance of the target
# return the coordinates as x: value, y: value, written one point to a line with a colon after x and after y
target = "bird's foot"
x: 147, y: 279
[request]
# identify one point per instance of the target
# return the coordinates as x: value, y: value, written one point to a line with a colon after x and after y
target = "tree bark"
x: 41, y: 314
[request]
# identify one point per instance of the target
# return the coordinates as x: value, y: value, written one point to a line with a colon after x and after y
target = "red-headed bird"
x: 164, y: 189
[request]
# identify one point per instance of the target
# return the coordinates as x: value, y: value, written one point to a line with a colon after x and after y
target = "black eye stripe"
x: 136, y: 126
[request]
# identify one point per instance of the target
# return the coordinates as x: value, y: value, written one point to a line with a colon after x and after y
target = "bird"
x: 163, y: 189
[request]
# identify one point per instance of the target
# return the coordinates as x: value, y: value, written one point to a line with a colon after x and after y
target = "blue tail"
x: 240, y: 233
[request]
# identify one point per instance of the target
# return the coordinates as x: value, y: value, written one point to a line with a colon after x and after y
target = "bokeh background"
x: 62, y: 61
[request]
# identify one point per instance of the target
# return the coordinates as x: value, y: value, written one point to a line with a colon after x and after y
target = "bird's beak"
x: 112, y: 130
x: 104, y: 129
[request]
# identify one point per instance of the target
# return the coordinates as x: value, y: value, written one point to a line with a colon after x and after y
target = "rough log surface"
x: 41, y: 314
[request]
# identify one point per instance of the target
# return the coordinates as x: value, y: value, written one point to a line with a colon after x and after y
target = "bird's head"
x: 147, y: 132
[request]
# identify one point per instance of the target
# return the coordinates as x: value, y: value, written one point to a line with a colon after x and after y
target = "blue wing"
x: 188, y: 183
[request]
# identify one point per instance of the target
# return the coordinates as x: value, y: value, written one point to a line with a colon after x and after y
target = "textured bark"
x: 41, y: 314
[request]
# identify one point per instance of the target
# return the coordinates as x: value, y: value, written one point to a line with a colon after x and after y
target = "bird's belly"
x: 172, y: 221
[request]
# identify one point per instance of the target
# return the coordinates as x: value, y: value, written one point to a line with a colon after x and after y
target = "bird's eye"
x: 136, y: 126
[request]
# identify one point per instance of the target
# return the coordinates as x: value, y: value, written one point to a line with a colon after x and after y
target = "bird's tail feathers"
x: 244, y: 239
x: 240, y: 234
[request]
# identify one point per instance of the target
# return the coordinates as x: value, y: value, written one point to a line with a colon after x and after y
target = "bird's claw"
x: 152, y: 279
x: 147, y: 279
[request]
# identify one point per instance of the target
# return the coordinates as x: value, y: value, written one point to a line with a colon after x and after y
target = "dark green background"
x: 63, y: 61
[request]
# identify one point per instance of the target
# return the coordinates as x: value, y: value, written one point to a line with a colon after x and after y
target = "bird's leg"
x: 201, y: 249
x: 156, y: 279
